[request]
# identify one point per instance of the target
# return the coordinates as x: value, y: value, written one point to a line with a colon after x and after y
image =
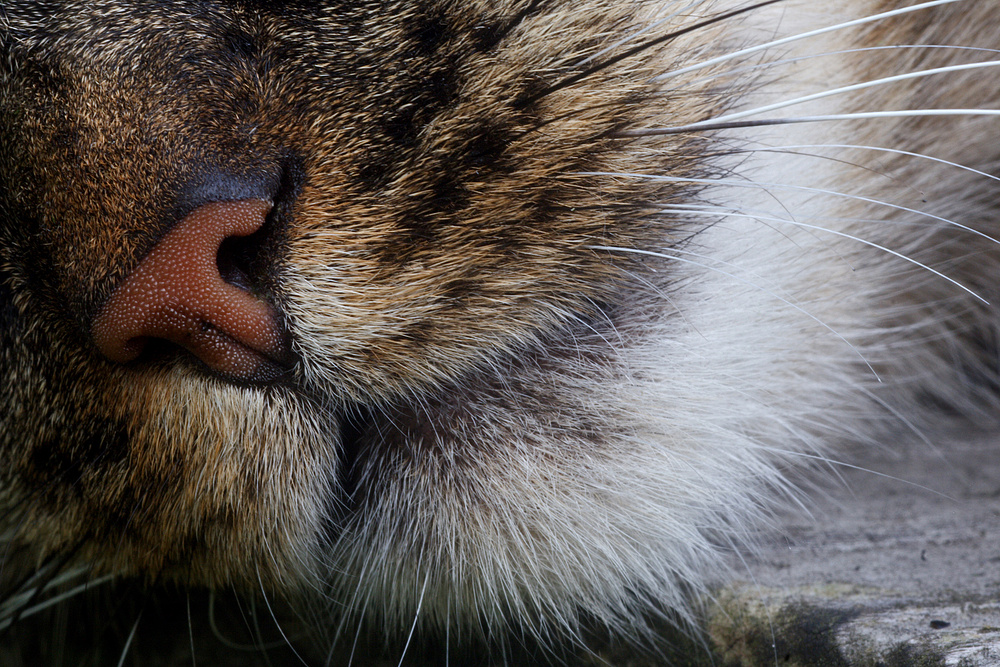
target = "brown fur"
x: 450, y: 182
x: 445, y: 197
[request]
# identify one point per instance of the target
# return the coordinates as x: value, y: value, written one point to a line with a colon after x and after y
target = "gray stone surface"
x: 899, y: 564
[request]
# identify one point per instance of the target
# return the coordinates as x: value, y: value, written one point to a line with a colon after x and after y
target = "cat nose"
x: 177, y: 293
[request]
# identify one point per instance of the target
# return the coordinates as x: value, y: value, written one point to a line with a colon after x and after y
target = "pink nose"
x: 177, y: 294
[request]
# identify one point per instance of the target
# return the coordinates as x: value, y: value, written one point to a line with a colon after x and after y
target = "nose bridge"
x: 177, y: 294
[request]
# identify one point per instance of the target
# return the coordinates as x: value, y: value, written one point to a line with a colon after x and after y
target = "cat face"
x: 425, y: 199
x: 438, y: 305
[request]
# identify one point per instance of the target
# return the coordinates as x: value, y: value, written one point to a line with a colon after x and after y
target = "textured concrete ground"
x: 890, y: 570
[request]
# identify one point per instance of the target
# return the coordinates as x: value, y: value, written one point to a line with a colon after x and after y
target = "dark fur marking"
x: 241, y: 44
x: 53, y: 472
x: 441, y: 85
x: 423, y: 99
x: 430, y: 32
x: 9, y: 316
x: 422, y: 223
x: 487, y: 146
x: 66, y: 139
x: 533, y: 88
x: 488, y: 34
x: 116, y: 520
x: 130, y: 512
x: 107, y: 443
x: 399, y: 131
x: 373, y: 175
x: 421, y: 332
x: 400, y: 126
x: 449, y: 195
x: 457, y: 292
x: 56, y: 468
x: 415, y: 235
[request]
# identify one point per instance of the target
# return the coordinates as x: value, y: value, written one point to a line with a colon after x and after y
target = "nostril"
x: 248, y: 261
x: 192, y: 289
x: 233, y: 263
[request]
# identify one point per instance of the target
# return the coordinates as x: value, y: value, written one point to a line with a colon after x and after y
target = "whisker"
x: 416, y: 617
x: 18, y: 589
x: 27, y: 612
x: 722, y: 211
x: 257, y: 645
x: 804, y: 35
x: 277, y: 623
x: 704, y: 126
x: 908, y: 423
x: 638, y: 33
x: 361, y: 608
x: 813, y: 56
x: 50, y: 576
x: 572, y: 79
x: 846, y: 89
x: 369, y: 601
x: 843, y: 464
x: 881, y: 149
x: 802, y: 188
x: 128, y: 642
x: 194, y: 657
x: 858, y: 239
x: 767, y: 611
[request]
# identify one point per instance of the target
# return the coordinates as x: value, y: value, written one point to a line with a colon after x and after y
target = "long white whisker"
x: 639, y: 33
x: 29, y: 588
x: 728, y: 274
x: 813, y: 56
x: 800, y: 36
x: 858, y: 239
x: 341, y: 626
x: 416, y: 617
x: 360, y: 623
x: 844, y: 464
x: 703, y: 126
x: 728, y: 118
x: 128, y: 642
x: 41, y: 606
x: 910, y: 426
x: 802, y: 188
x: 194, y: 657
x: 274, y: 618
x: 257, y: 645
x: 720, y: 211
x: 881, y: 149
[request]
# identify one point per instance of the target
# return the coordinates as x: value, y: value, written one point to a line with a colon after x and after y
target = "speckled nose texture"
x: 177, y: 294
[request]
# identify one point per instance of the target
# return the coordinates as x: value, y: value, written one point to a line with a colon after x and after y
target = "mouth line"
x: 267, y: 369
x: 356, y: 424
x: 272, y: 365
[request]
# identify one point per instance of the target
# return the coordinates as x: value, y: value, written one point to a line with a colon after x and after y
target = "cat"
x: 473, y: 317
